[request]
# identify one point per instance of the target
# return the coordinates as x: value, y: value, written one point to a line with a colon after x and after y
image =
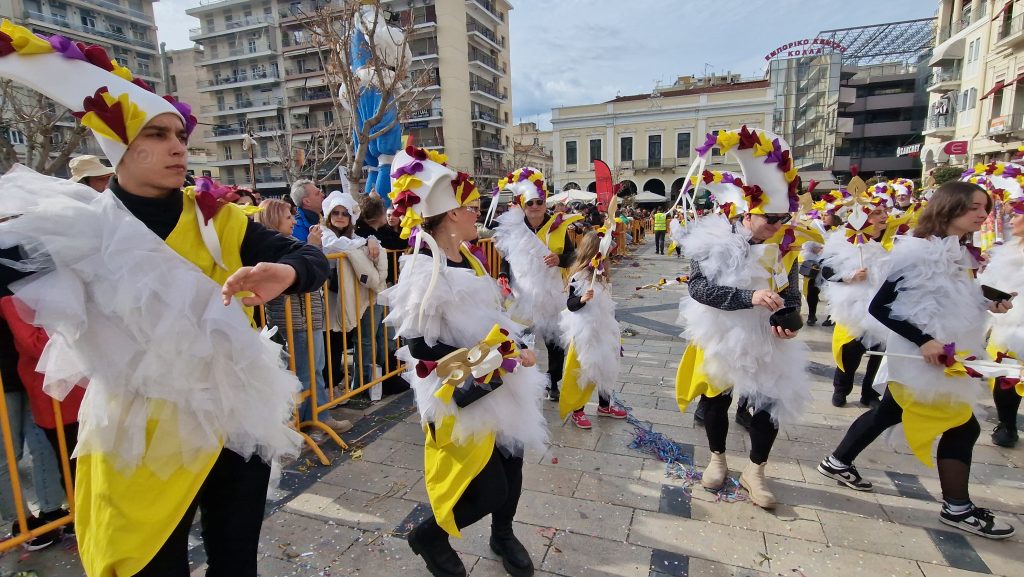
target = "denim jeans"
x: 372, y: 346
x: 302, y: 370
x: 45, y: 471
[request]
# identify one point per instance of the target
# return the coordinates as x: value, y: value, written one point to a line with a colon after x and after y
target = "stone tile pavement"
x: 593, y: 507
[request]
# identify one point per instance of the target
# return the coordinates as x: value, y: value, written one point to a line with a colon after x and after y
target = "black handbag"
x: 809, y: 269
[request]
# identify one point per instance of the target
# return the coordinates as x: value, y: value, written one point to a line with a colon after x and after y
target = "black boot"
x: 698, y: 413
x: 1005, y: 435
x: 513, y: 555
x: 441, y: 559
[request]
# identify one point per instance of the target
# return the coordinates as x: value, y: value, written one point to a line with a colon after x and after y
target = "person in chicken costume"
x: 477, y: 390
x: 738, y: 345
x: 537, y: 252
x: 185, y: 404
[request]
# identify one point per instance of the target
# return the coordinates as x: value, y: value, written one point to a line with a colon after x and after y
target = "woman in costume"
x: 936, y: 314
x: 737, y: 281
x: 186, y: 404
x: 536, y: 249
x: 477, y: 392
x: 590, y: 335
x: 854, y: 266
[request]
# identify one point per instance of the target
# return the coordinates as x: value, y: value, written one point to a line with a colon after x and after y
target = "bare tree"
x: 333, y: 31
x: 315, y: 158
x: 51, y: 134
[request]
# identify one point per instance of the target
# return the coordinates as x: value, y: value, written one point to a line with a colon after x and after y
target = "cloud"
x: 173, y: 24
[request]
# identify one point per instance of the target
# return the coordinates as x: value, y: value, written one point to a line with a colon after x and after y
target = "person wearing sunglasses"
x: 537, y: 252
x: 739, y: 314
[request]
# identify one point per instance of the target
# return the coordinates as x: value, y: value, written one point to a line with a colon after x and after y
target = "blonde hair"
x: 588, y: 248
x: 272, y: 212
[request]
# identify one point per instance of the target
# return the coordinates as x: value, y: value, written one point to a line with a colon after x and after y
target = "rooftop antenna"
x: 655, y: 97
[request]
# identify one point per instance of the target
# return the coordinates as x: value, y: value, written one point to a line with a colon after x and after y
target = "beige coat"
x: 361, y: 279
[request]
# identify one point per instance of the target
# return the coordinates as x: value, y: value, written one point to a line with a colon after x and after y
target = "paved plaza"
x: 591, y: 506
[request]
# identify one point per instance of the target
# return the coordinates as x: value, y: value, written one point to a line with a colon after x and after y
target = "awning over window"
x: 951, y: 49
x: 998, y: 86
x: 1002, y: 10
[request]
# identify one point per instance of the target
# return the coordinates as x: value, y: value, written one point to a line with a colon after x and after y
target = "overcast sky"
x: 567, y: 52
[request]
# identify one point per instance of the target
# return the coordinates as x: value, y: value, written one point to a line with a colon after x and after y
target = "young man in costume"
x: 477, y: 392
x: 537, y: 252
x: 737, y: 282
x: 186, y: 404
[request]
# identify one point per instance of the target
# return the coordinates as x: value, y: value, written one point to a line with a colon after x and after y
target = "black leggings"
x: 495, y: 492
x: 556, y: 360
x: 71, y: 438
x: 813, y: 296
x: 232, y: 501
x: 716, y: 423
x: 602, y: 401
x: 953, y: 456
x: 852, y: 353
x: 1007, y: 404
x: 659, y: 241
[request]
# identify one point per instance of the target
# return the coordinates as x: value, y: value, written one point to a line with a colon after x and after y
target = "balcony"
x: 292, y: 73
x: 944, y: 79
x: 940, y: 125
x: 1011, y: 33
x: 220, y: 133
x: 251, y: 51
x: 485, y: 35
x: 317, y: 95
x: 242, y: 106
x: 487, y: 63
x: 63, y: 22
x: 489, y: 144
x: 244, y: 161
x: 251, y: 22
x: 487, y: 89
x: 1005, y: 128
x: 423, y: 48
x: 486, y: 8
x: 238, y: 80
x: 656, y: 164
x: 123, y: 10
x: 873, y: 129
x: 487, y: 117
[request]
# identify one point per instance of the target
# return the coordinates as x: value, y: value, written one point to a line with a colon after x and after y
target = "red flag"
x: 605, y: 188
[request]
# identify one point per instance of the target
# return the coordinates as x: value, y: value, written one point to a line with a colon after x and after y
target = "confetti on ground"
x: 547, y: 532
x: 554, y: 460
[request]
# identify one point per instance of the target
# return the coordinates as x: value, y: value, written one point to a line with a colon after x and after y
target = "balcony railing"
x: 493, y: 143
x: 658, y: 163
x: 239, y: 78
x: 487, y: 116
x: 228, y: 106
x: 1011, y: 28
x: 489, y: 8
x: 312, y: 95
x: 488, y: 88
x: 1004, y: 126
x: 217, y: 131
x: 295, y: 72
x: 944, y: 75
x: 236, y: 52
x: 65, y: 23
x: 485, y: 32
x: 123, y: 9
x: 423, y: 48
x: 233, y: 25
x: 941, y: 122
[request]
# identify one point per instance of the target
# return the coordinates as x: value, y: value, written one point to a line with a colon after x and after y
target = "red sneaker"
x: 579, y: 418
x: 613, y: 412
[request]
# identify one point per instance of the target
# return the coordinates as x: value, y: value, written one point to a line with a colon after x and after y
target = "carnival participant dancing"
x: 935, y: 312
x: 536, y: 249
x: 186, y: 404
x: 737, y: 347
x: 477, y: 391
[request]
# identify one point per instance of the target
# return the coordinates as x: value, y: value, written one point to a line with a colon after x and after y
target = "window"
x: 328, y: 118
x: 654, y: 150
x: 227, y: 153
x: 683, y: 145
x: 626, y: 149
x: 716, y: 151
x: 972, y: 99
x: 595, y: 149
x: 88, y: 20
x: 997, y: 105
x: 122, y: 61
x: 16, y: 137
x: 570, y: 153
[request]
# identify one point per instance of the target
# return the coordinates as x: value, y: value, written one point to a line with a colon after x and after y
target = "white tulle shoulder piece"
x: 147, y: 331
x: 677, y: 231
x: 1005, y: 271
x: 937, y: 294
x: 537, y: 289
x: 461, y: 311
x: 595, y: 333
x: 848, y: 301
x: 740, y: 351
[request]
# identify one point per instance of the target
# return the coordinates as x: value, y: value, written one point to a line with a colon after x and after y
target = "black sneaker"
x: 39, y: 542
x: 845, y: 476
x: 838, y: 400
x: 871, y: 401
x: 553, y: 394
x: 978, y: 521
x: 828, y: 322
x: 1004, y: 435
x: 811, y: 321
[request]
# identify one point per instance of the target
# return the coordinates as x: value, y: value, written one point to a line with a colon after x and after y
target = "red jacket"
x: 29, y: 340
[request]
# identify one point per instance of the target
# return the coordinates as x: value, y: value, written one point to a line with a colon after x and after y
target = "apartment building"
x: 531, y: 146
x: 181, y: 77
x: 126, y: 29
x: 976, y: 106
x: 648, y: 140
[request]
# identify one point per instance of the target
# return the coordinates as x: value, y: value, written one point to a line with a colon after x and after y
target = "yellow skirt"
x: 448, y: 468
x: 574, y: 394
x: 923, y: 423
x: 994, y: 351
x: 840, y: 338
x: 691, y: 381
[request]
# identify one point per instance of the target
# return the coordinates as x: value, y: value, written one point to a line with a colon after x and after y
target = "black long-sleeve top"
x: 564, y: 260
x: 575, y: 301
x: 880, y: 309
x: 259, y: 244
x: 465, y: 395
x: 729, y: 298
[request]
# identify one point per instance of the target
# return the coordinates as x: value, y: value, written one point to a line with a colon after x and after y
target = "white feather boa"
x: 537, y: 288
x: 595, y: 333
x: 937, y: 295
x: 848, y: 301
x: 1005, y: 271
x: 740, y: 351
x: 147, y: 330
x: 461, y: 311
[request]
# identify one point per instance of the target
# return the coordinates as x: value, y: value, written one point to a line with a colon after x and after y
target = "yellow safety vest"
x: 660, y: 221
